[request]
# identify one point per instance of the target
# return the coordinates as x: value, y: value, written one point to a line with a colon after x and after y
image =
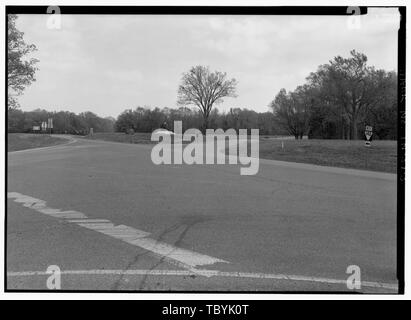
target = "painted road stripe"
x: 88, y: 220
x: 207, y: 273
x: 184, y: 258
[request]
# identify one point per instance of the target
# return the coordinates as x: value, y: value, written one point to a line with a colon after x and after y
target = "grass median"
x: 138, y: 137
x: 381, y: 156
x: 23, y: 141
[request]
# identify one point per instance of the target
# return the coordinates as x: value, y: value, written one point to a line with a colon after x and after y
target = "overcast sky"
x: 106, y: 64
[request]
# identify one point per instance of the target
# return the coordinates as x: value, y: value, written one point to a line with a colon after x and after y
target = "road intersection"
x: 141, y: 226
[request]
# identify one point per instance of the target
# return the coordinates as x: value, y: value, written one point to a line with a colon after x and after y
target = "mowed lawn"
x: 381, y: 156
x: 138, y: 137
x: 22, y: 141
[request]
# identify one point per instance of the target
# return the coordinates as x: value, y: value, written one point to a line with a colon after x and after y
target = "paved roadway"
x: 290, y: 227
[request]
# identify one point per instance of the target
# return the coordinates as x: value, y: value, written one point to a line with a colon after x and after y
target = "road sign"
x: 36, y: 128
x: 50, y: 123
x: 368, y: 132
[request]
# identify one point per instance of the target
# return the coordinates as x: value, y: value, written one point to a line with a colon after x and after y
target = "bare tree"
x: 203, y: 88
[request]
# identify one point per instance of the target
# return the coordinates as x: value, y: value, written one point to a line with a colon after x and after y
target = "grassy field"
x: 138, y: 137
x: 381, y: 156
x: 22, y: 141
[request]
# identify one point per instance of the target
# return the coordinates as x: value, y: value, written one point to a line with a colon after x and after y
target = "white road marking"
x: 88, y: 220
x: 208, y: 273
x: 181, y: 257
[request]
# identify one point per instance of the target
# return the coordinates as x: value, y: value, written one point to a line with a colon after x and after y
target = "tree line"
x: 63, y: 121
x: 339, y: 100
x: 143, y: 119
x: 336, y: 102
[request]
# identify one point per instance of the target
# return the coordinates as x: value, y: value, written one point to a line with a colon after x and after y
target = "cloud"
x: 241, y: 38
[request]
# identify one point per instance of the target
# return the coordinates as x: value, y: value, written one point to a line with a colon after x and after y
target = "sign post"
x: 50, y: 124
x: 368, y: 135
x: 44, y: 126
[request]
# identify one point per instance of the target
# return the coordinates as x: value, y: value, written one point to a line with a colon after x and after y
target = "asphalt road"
x: 290, y: 227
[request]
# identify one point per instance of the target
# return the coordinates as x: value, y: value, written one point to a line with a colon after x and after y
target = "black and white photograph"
x: 204, y: 150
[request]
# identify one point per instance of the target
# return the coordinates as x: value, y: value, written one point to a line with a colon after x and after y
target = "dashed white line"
x: 184, y: 258
x: 181, y: 257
